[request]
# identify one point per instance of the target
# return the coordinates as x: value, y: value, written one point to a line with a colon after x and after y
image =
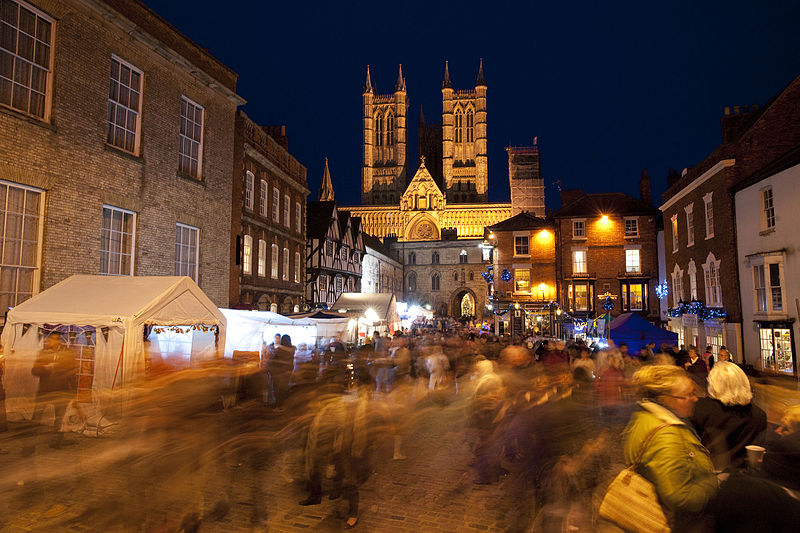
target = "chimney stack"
x: 644, y: 188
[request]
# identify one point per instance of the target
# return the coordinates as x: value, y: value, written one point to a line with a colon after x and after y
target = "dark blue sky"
x: 609, y: 88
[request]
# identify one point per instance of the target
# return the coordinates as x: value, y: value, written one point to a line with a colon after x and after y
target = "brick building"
x: 607, y: 250
x: 701, y: 232
x: 523, y: 249
x: 115, y: 147
x: 268, y: 220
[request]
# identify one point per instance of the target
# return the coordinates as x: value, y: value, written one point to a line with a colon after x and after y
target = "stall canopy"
x: 111, y: 312
x: 328, y: 324
x: 636, y: 332
x: 247, y: 330
x: 359, y: 303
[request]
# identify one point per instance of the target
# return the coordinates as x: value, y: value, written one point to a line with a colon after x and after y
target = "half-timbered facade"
x: 334, y: 249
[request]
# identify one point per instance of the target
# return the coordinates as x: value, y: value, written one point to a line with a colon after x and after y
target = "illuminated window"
x: 297, y: 267
x: 322, y: 282
x: 713, y: 288
x: 247, y: 254
x: 462, y: 256
x: 674, y: 220
x: 631, y: 227
x: 298, y: 217
x: 262, y: 258
x: 522, y: 280
x: 521, y: 245
x: 276, y: 200
x: 117, y: 241
x: 579, y: 229
x: 632, y: 261
x: 190, y: 139
x: 692, y: 271
x: 634, y: 296
x: 21, y: 211
x: 274, y: 261
x: 25, y: 49
x: 262, y: 199
x: 248, y: 190
x: 579, y: 261
x: 581, y: 291
x: 286, y: 211
x: 689, y: 224
x: 709, y: 212
x: 186, y: 249
x: 338, y: 285
x: 285, y: 275
x: 124, y: 105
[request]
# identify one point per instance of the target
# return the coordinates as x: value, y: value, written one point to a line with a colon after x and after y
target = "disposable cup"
x: 755, y: 455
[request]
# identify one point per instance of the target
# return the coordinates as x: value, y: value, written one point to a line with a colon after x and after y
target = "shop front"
x: 776, y: 343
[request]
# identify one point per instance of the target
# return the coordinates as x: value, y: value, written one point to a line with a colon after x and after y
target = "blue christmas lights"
x: 662, y: 290
x: 505, y: 275
x: 696, y: 307
x: 608, y: 305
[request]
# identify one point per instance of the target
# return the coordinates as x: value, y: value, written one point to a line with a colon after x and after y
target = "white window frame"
x: 518, y: 279
x: 285, y: 273
x: 247, y: 254
x: 298, y: 217
x: 463, y: 258
x: 712, y: 281
x: 580, y: 261
x: 184, y: 268
x: 767, y: 208
x: 262, y: 198
x: 770, y: 290
x: 579, y: 229
x: 322, y: 282
x: 760, y: 300
x: 633, y: 260
x: 522, y: 245
x: 677, y: 285
x: 109, y: 252
x: 287, y: 207
x: 18, y: 264
x: 116, y: 105
x: 338, y: 284
x: 262, y: 258
x: 708, y: 209
x: 276, y: 201
x: 187, y: 141
x: 635, y: 224
x: 297, y: 267
x: 249, y: 186
x: 689, y: 224
x: 34, y: 63
x: 674, y: 221
x: 274, y: 261
x: 692, y: 271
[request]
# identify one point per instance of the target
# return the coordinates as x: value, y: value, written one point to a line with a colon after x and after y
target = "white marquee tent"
x: 248, y: 329
x: 117, y: 308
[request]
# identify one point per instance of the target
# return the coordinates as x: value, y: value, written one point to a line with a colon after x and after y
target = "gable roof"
x: 319, y: 215
x: 523, y: 220
x: 608, y: 203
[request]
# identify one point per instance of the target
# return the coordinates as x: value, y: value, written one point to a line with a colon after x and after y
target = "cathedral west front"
x: 435, y: 221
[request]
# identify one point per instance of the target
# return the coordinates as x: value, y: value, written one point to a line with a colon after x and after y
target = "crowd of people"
x: 551, y: 420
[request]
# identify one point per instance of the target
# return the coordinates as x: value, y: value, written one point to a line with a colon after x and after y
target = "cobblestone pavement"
x: 88, y: 486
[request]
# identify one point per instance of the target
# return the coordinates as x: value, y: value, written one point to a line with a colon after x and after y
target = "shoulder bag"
x: 631, y: 501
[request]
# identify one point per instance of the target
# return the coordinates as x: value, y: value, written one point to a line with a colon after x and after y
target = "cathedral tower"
x: 464, y: 161
x: 384, y: 173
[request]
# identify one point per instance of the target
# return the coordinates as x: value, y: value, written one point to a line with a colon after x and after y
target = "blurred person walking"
x: 56, y: 368
x: 280, y: 367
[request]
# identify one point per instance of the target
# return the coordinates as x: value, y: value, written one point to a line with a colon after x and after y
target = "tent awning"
x: 359, y: 303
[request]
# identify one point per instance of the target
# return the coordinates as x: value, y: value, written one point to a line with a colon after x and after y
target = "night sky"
x: 609, y: 88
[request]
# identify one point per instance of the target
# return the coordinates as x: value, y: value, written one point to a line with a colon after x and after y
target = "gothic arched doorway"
x: 464, y: 304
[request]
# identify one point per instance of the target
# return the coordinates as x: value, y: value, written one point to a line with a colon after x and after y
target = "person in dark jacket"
x: 727, y: 421
x: 56, y: 368
x: 782, y: 460
x: 280, y: 367
x: 696, y: 367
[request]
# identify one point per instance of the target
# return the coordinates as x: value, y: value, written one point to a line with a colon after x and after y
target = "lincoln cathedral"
x: 435, y: 221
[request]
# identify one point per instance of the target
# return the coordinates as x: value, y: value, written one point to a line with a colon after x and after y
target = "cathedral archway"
x: 464, y: 303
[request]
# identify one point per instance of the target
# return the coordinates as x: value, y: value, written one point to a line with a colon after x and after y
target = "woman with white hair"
x: 727, y: 420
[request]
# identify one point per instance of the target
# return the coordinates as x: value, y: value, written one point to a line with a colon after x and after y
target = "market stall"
x: 636, y: 332
x: 249, y: 330
x: 105, y: 321
x: 369, y: 312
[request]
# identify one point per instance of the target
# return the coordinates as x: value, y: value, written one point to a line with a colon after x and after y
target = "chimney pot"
x: 727, y: 110
x: 736, y: 110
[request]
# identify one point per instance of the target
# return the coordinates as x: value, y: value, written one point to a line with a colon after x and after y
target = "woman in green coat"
x: 675, y: 461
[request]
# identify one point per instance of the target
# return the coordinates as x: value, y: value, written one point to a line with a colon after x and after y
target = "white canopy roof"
x: 98, y: 301
x: 358, y: 302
